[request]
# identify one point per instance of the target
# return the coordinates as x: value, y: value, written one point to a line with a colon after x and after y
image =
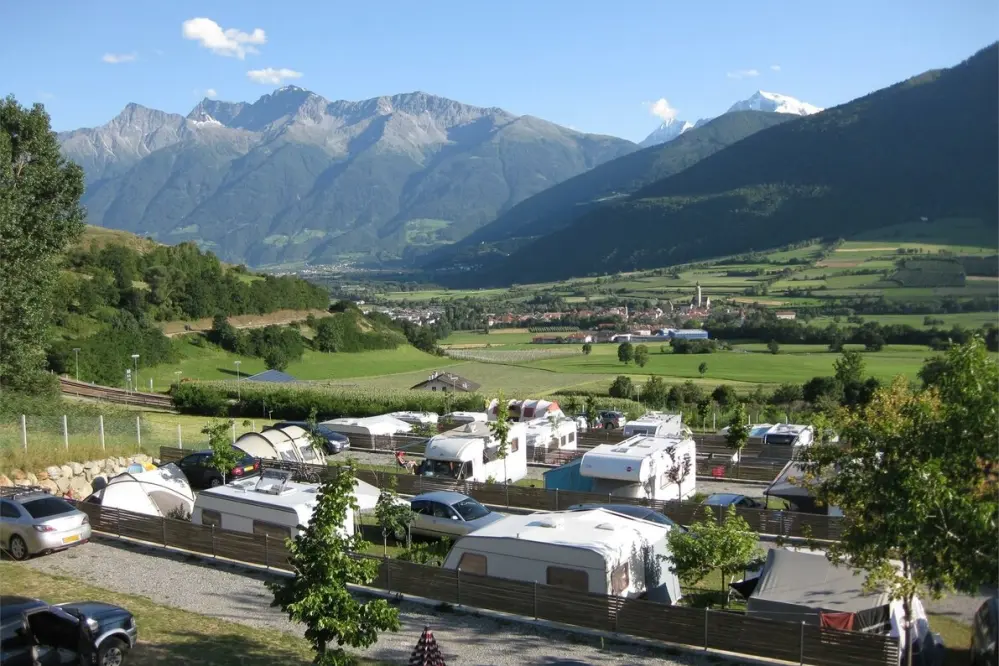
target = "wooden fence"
x: 705, y: 629
x: 763, y: 521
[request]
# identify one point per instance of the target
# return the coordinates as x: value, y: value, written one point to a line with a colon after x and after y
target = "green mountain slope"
x: 924, y: 149
x: 557, y: 207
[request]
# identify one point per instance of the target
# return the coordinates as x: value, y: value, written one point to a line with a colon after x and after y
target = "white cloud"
x: 117, y: 58
x: 743, y: 74
x: 661, y: 109
x: 231, y: 42
x: 272, y: 76
x: 775, y: 68
x: 211, y: 93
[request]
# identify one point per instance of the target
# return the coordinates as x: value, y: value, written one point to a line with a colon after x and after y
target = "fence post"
x: 556, y: 508
x: 100, y: 423
x: 138, y: 432
x: 388, y: 576
x: 24, y: 432
x: 507, y: 493
x: 65, y: 431
x: 457, y: 580
x: 180, y: 438
x: 163, y: 524
x: 117, y: 522
x: 706, y: 611
x: 267, y: 551
x: 535, y: 600
x: 213, y: 541
x: 801, y: 645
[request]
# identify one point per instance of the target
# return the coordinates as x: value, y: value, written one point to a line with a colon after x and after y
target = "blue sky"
x: 594, y: 65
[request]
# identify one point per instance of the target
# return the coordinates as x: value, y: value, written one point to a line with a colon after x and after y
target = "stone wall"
x: 74, y: 479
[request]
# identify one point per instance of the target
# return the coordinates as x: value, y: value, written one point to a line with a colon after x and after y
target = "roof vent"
x: 605, y: 526
x: 553, y: 522
x: 468, y: 428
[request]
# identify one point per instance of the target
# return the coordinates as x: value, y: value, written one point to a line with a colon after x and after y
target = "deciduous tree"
x: 702, y: 368
x: 587, y: 348
x: 224, y: 455
x: 641, y: 355
x: 393, y: 516
x: 500, y: 429
x: 625, y: 352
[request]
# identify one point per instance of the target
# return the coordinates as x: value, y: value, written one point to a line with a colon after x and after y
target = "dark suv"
x: 335, y: 441
x: 33, y: 632
x: 610, y: 420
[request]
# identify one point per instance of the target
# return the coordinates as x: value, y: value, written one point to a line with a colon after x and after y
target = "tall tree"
x: 317, y: 595
x: 224, y: 455
x: 641, y: 355
x: 738, y: 430
x: 40, y: 214
x: 625, y: 352
x: 500, y: 429
x: 849, y: 367
x: 394, y: 516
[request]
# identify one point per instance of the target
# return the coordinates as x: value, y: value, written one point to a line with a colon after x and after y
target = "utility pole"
x: 135, y: 375
x: 239, y: 397
x: 76, y: 353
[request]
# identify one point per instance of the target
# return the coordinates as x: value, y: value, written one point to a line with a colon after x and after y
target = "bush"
x: 201, y: 399
x: 621, y: 387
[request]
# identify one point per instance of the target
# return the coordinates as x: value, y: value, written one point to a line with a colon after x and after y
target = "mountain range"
x: 883, y: 160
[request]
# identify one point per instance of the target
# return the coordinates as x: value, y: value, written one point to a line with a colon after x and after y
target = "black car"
x: 33, y: 632
x: 985, y: 634
x: 335, y: 441
x: 200, y: 475
x: 733, y: 499
x: 632, y: 511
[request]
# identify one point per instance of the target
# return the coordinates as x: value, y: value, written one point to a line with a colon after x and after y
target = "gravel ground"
x: 233, y: 593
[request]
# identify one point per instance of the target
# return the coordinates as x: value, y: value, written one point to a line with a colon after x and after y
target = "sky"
x: 609, y: 67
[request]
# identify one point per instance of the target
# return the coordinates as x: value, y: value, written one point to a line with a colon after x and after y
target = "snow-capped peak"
x: 202, y: 118
x: 775, y: 103
x: 669, y: 130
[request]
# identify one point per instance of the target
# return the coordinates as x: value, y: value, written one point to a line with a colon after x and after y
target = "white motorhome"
x: 461, y: 418
x: 641, y: 466
x: 384, y: 425
x: 550, y: 434
x: 272, y: 504
x: 470, y: 452
x: 416, y: 418
x: 593, y: 551
x: 789, y: 434
x: 655, y: 424
x: 290, y: 443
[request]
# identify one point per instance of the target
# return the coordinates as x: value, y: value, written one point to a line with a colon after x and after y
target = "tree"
x: 918, y: 484
x: 641, y: 355
x: 40, y: 214
x: 849, y: 367
x: 738, y: 430
x: 625, y: 352
x: 591, y: 411
x: 587, y: 348
x: 786, y: 394
x: 500, y: 429
x: 322, y: 561
x: 655, y: 392
x: 275, y: 358
x: 224, y: 456
x: 870, y: 336
x: 773, y: 347
x: 724, y: 395
x: 394, y: 516
x: 621, y: 387
x: 702, y: 368
x: 728, y: 546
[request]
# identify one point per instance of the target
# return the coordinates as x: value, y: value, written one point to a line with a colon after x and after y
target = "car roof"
x: 11, y: 605
x: 442, y: 496
x: 723, y: 498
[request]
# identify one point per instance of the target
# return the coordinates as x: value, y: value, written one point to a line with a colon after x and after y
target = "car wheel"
x: 215, y: 482
x: 112, y: 652
x: 18, y: 548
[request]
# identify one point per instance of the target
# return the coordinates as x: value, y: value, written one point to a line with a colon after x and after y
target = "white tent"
x: 163, y: 491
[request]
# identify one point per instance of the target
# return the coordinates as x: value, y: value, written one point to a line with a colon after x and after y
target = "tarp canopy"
x: 163, y: 491
x: 366, y: 495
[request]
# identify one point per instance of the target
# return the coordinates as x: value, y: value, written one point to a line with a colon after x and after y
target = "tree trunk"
x: 384, y: 544
x: 724, y: 595
x: 907, y: 633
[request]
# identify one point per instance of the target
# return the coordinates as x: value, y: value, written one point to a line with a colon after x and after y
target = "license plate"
x: 71, y: 539
x: 249, y: 468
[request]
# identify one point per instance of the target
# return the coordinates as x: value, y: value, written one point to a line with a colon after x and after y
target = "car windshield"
x: 469, y: 509
x: 48, y: 506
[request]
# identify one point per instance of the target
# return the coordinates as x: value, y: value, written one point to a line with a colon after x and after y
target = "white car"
x: 445, y: 513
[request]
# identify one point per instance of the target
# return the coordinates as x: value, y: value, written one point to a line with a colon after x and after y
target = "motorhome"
x: 657, y: 468
x: 550, y: 434
x: 655, y: 424
x: 471, y: 452
x: 416, y: 418
x: 594, y: 551
x: 461, y: 418
x: 788, y: 434
x: 161, y: 491
x: 290, y: 443
x: 384, y: 425
x: 526, y: 410
x: 272, y: 504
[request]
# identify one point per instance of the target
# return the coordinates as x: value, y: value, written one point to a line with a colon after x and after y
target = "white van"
x: 272, y: 504
x: 594, y: 551
x: 470, y: 453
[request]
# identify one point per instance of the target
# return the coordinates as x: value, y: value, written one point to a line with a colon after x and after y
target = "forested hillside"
x: 921, y: 150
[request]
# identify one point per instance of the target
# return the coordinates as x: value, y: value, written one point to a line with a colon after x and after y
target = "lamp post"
x: 239, y: 397
x: 177, y: 373
x: 135, y: 374
x: 76, y: 353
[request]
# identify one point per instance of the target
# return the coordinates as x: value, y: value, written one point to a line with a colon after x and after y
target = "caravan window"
x: 260, y: 528
x: 572, y: 437
x: 619, y: 579
x: 571, y: 579
x: 514, y: 445
x: 473, y: 563
x: 210, y: 517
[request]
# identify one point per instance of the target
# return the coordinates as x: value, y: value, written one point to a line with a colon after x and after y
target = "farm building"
x: 447, y: 381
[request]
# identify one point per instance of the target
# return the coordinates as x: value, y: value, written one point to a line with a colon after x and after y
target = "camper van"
x: 545, y: 435
x: 787, y: 434
x: 470, y: 453
x: 637, y: 467
x: 385, y: 425
x: 290, y: 443
x: 595, y: 551
x: 416, y: 418
x: 272, y: 504
x: 655, y: 424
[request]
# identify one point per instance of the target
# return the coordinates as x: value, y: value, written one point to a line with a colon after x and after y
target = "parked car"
x: 36, y: 633
x: 985, y: 634
x: 32, y: 522
x: 730, y: 499
x: 200, y: 475
x: 335, y: 441
x: 449, y: 514
x: 611, y: 419
x: 633, y: 511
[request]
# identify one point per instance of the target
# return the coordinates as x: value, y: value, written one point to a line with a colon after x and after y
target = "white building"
x: 648, y: 467
x: 594, y: 551
x: 471, y: 452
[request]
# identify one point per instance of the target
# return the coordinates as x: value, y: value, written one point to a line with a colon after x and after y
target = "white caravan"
x: 593, y: 551
x: 790, y: 435
x: 461, y: 418
x: 272, y: 504
x: 526, y: 410
x: 550, y: 434
x: 385, y: 425
x: 290, y: 443
x: 469, y: 453
x: 646, y: 467
x: 416, y: 418
x: 161, y: 491
x: 655, y: 424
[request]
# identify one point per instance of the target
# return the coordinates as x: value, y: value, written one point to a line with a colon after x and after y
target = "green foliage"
x: 500, y: 428
x: 202, y: 399
x: 430, y: 553
x: 394, y: 516
x: 773, y: 347
x: 655, y: 392
x: 724, y: 395
x: 621, y: 387
x: 626, y: 352
x: 702, y: 368
x: 681, y: 346
x: 738, y: 429
x: 727, y: 546
x: 277, y: 345
x: 849, y: 367
x: 351, y: 332
x: 587, y: 348
x: 641, y: 355
x: 317, y: 595
x: 40, y: 215
x: 224, y: 455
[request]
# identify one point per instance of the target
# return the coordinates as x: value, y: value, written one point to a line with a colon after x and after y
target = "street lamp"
x: 135, y: 375
x: 76, y: 353
x: 239, y: 397
x: 178, y: 373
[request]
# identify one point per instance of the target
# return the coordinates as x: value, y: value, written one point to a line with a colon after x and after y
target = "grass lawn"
x: 513, y: 380
x: 956, y: 637
x: 169, y: 635
x: 964, y: 319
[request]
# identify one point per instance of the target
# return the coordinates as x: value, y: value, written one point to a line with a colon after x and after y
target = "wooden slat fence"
x: 706, y: 629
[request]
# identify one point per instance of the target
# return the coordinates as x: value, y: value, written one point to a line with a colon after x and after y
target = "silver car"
x: 33, y: 521
x: 449, y: 514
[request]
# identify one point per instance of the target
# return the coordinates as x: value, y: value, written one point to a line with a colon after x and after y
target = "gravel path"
x: 232, y: 593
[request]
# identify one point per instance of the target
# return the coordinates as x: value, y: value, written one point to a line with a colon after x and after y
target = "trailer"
x: 471, y: 453
x: 655, y: 424
x: 290, y: 443
x: 550, y: 434
x: 384, y: 425
x: 655, y: 468
x: 526, y: 410
x: 416, y: 418
x: 461, y: 418
x: 595, y: 551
